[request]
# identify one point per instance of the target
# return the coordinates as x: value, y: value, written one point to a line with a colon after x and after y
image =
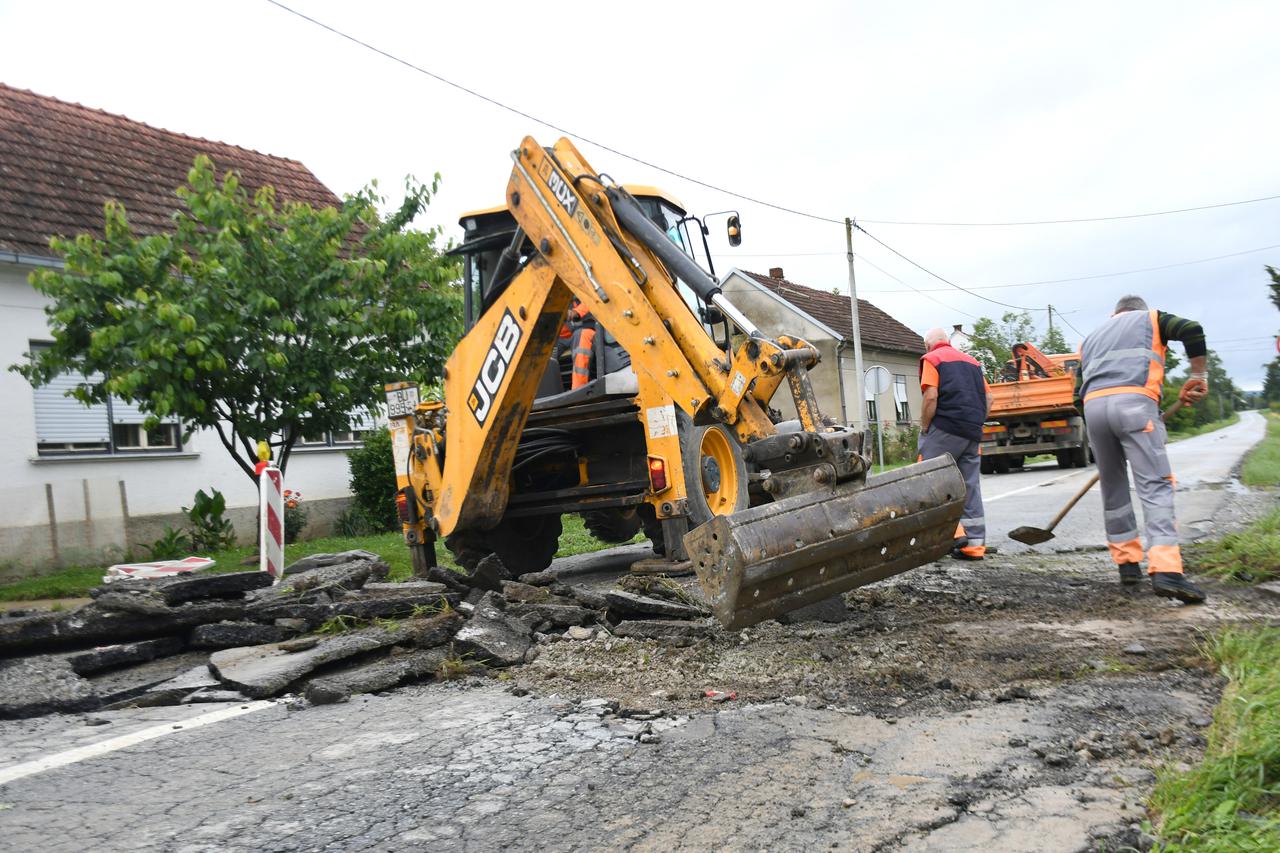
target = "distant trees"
x: 1271, y: 384
x: 991, y: 341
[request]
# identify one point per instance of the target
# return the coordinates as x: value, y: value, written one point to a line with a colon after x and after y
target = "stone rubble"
x: 332, y: 628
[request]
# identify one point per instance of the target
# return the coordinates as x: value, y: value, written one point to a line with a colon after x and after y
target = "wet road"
x: 1203, y: 466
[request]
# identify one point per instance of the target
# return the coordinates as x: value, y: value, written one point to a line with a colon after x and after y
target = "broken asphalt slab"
x: 632, y: 604
x: 375, y: 676
x: 43, y: 684
x: 99, y: 658
x: 494, y: 636
x: 261, y: 671
x: 182, y: 588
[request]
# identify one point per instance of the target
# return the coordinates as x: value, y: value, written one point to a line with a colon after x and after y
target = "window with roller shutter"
x: 64, y: 425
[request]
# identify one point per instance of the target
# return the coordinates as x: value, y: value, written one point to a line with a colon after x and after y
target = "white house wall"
x: 88, y: 501
x: 776, y: 317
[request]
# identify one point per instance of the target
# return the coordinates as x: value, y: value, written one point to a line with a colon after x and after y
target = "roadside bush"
x: 899, y: 443
x: 352, y: 522
x: 295, y: 517
x: 373, y: 483
x: 173, y: 545
x: 209, y: 530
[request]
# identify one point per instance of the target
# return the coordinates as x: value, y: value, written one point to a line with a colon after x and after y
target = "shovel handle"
x: 1165, y: 415
x: 1071, y: 503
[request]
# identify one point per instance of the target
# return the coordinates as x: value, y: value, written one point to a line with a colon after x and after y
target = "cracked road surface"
x: 1011, y: 705
x: 446, y: 767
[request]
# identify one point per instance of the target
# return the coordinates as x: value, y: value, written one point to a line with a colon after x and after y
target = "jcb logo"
x: 562, y: 191
x: 494, y: 369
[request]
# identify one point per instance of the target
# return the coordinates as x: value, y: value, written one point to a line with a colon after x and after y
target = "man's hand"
x: 1194, y: 389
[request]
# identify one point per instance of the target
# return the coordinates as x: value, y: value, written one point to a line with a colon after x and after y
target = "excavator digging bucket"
x: 773, y: 558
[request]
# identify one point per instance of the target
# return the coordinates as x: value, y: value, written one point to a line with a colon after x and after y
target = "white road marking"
x: 103, y: 747
x: 1041, y: 484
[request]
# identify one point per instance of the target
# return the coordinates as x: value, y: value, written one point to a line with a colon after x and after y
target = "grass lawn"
x: 1251, y: 554
x: 77, y: 581
x: 1231, y: 801
x: 1262, y: 465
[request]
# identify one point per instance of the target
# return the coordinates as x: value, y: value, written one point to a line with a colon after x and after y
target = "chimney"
x: 957, y: 328
x: 776, y: 272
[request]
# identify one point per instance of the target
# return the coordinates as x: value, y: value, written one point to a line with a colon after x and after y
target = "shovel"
x: 1037, y: 535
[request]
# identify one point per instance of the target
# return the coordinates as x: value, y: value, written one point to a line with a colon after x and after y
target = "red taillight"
x: 657, y: 474
x: 402, y: 507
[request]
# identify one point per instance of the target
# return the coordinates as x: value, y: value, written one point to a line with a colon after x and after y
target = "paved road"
x: 1202, y: 465
x: 439, y: 767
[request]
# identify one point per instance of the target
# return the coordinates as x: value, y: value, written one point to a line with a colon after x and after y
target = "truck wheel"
x: 988, y: 465
x: 1065, y: 459
x: 524, y: 544
x: 1001, y: 464
x: 715, y: 475
x: 1016, y: 461
x: 1079, y: 457
x: 612, y: 525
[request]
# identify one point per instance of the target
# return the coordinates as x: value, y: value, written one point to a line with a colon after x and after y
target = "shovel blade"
x: 774, y: 558
x: 1030, y: 535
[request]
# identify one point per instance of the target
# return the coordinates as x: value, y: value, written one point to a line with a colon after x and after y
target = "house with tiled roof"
x: 87, y: 483
x: 778, y: 306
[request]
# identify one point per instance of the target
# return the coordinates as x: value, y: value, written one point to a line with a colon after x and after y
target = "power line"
x: 783, y: 208
x: 863, y: 258
x: 940, y: 278
x: 1080, y: 219
x: 1079, y: 334
x: 557, y: 128
x: 1029, y: 283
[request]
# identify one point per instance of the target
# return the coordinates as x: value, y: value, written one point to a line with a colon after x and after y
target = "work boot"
x: 1130, y: 574
x: 962, y: 552
x: 1176, y: 585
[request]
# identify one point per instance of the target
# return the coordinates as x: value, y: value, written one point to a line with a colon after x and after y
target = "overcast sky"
x: 973, y: 112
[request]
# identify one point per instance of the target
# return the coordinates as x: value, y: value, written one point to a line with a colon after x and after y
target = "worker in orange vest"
x: 956, y: 403
x: 1122, y: 364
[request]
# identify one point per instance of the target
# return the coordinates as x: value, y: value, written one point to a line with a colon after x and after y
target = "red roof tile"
x: 879, y: 330
x: 59, y: 162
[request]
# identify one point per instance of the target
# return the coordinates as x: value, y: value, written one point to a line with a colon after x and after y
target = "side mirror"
x: 735, y: 231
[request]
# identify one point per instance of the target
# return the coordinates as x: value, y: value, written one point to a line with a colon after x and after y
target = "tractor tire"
x: 715, y: 474
x: 525, y: 544
x: 612, y: 525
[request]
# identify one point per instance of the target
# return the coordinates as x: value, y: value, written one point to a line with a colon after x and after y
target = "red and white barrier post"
x: 270, y: 517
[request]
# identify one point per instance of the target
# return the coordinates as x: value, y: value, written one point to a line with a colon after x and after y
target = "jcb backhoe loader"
x: 673, y: 432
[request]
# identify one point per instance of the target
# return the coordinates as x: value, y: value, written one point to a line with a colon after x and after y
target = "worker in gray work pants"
x: 956, y: 403
x: 1122, y: 365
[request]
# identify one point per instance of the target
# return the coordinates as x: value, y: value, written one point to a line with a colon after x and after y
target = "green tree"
x: 258, y: 319
x: 1271, y: 384
x: 991, y: 342
x: 1275, y: 285
x: 1054, y: 342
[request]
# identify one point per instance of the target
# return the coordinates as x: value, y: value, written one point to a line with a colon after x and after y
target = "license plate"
x: 402, y: 401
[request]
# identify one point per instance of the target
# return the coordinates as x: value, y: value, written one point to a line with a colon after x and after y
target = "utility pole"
x: 1051, y: 321
x: 860, y: 399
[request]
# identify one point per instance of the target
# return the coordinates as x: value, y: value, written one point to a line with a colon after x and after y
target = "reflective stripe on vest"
x: 1124, y: 356
x: 582, y: 352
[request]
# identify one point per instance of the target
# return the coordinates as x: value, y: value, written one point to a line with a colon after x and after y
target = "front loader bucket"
x: 769, y: 559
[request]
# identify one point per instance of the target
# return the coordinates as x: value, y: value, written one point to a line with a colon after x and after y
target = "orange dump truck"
x: 1033, y: 412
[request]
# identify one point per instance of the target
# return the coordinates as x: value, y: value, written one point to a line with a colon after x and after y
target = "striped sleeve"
x: 1189, y: 332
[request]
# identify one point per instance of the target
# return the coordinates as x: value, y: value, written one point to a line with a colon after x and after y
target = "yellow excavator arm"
x: 703, y: 411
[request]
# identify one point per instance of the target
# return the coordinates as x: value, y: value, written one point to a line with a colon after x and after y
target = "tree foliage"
x: 991, y: 341
x: 258, y: 319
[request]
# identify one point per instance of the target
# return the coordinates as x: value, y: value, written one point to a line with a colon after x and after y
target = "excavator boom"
x: 772, y: 516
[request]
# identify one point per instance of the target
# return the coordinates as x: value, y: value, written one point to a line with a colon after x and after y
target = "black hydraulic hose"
x: 633, y: 218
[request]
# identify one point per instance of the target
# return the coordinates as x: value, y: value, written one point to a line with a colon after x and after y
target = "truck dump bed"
x: 1041, y: 396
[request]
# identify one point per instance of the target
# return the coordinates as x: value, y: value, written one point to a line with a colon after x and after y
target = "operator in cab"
x: 1122, y: 364
x: 955, y: 406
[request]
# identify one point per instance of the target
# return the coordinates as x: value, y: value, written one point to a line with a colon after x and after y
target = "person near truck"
x: 956, y: 403
x: 1122, y: 365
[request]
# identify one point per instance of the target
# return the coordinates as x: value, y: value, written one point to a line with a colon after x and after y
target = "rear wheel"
x: 1079, y: 457
x: 1001, y: 464
x: 1016, y: 461
x: 525, y: 544
x: 612, y: 525
x: 988, y: 465
x: 1065, y: 459
x: 715, y: 474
